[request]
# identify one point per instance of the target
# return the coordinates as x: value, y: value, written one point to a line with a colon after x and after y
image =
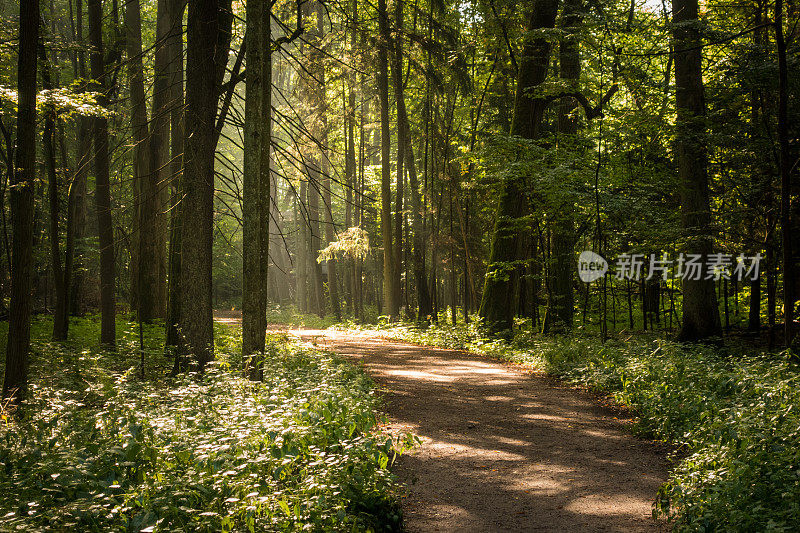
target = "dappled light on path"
x: 504, y: 449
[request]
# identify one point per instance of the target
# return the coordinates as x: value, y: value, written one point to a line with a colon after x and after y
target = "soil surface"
x: 505, y: 449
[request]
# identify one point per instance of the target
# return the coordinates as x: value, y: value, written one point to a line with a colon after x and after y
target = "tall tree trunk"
x: 333, y: 280
x: 15, y: 383
x: 142, y: 230
x: 204, y: 69
x: 301, y: 269
x: 156, y: 289
x: 397, y: 82
x: 418, y: 252
x: 561, y: 306
x: 175, y: 9
x: 391, y: 303
x: 76, y: 198
x: 700, y: 310
x: 253, y: 205
x: 497, y: 305
x: 60, y: 316
x: 314, y: 241
x: 102, y: 184
x: 786, y: 182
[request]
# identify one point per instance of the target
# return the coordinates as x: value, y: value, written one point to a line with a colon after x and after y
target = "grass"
x: 735, y: 416
x: 99, y: 449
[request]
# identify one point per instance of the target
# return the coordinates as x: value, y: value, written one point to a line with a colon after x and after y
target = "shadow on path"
x: 505, y: 450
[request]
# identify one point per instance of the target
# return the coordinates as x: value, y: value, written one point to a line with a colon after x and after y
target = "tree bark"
x: 333, y: 281
x: 175, y: 10
x: 497, y: 305
x: 102, y: 184
x: 15, y: 383
x: 156, y: 288
x: 253, y: 205
x: 60, y: 315
x: 700, y: 310
x: 204, y: 70
x: 786, y: 182
x: 561, y: 304
x: 391, y: 303
x: 141, y: 231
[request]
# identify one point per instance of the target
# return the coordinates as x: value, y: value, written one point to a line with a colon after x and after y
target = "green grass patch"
x: 99, y: 449
x: 734, y: 415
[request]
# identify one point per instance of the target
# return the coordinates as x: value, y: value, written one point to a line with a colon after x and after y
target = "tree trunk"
x: 404, y: 137
x: 786, y: 182
x: 561, y: 306
x: 15, y: 383
x: 391, y: 304
x: 497, y: 305
x: 333, y: 288
x: 102, y: 184
x: 156, y: 290
x: 255, y: 135
x: 301, y: 268
x: 142, y: 230
x: 700, y: 310
x: 175, y: 10
x: 60, y: 316
x: 203, y: 74
x: 397, y: 82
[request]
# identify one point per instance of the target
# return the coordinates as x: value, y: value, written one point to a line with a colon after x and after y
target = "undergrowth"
x: 734, y: 416
x: 99, y: 449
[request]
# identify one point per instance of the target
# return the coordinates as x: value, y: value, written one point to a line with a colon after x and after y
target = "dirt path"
x: 505, y: 450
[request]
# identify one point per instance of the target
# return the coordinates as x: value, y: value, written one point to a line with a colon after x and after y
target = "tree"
x: 60, y: 314
x: 208, y: 37
x: 390, y: 297
x: 254, y: 203
x: 700, y: 311
x: 141, y: 259
x: 785, y: 164
x: 560, y: 305
x: 15, y: 383
x: 175, y: 38
x: 404, y: 139
x: 105, y: 226
x: 498, y: 302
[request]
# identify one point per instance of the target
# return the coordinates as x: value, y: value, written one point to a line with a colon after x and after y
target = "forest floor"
x: 504, y: 448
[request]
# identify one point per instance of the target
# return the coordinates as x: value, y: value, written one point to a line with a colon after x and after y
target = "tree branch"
x: 591, y: 112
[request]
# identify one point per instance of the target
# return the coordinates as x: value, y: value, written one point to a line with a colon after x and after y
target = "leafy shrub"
x: 216, y: 452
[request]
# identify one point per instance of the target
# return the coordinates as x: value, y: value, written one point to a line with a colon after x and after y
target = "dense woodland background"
x: 402, y: 160
x: 426, y: 167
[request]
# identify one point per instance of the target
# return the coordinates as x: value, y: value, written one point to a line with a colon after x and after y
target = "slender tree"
x: 175, y: 39
x: 60, y: 315
x: 256, y: 118
x: 785, y: 164
x: 102, y: 182
x: 391, y: 302
x: 560, y: 305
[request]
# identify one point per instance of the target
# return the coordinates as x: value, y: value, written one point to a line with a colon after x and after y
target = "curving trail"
x: 505, y: 449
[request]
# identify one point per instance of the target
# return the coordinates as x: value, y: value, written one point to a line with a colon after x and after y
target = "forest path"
x: 504, y: 449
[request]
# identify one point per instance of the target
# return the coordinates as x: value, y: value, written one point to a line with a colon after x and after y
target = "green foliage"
x: 211, y: 452
x: 288, y: 315
x: 737, y: 415
x: 352, y: 243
